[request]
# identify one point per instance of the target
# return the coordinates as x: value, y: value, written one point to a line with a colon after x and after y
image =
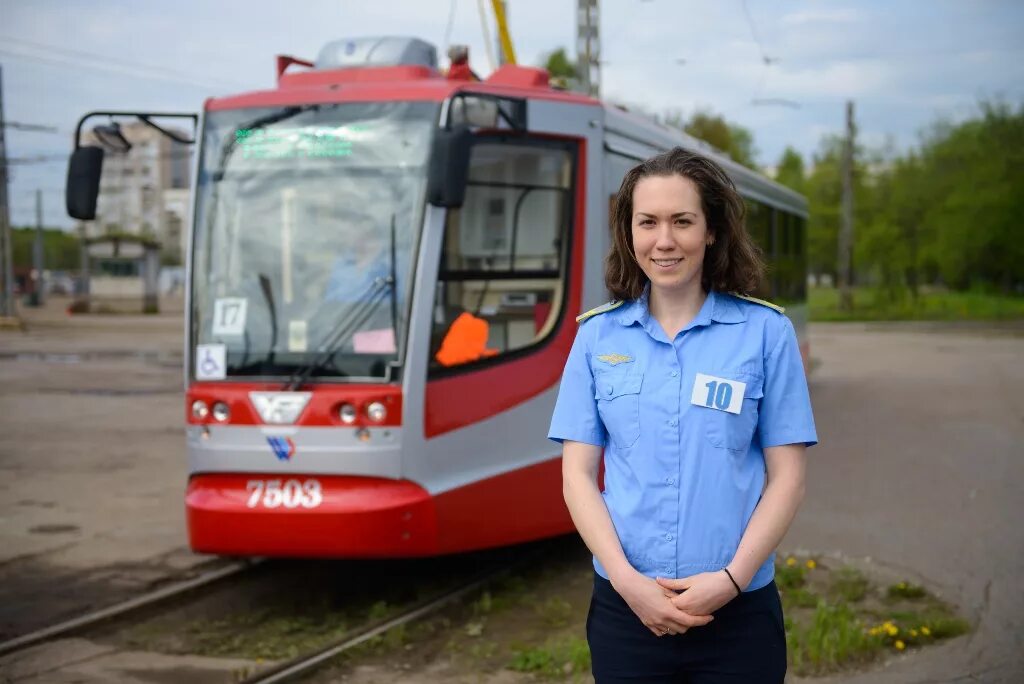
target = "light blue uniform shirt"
x: 682, y: 479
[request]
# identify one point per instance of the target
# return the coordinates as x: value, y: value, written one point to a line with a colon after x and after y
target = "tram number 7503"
x: 290, y: 494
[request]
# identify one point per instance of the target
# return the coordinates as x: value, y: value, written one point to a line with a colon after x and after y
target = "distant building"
x: 144, y: 192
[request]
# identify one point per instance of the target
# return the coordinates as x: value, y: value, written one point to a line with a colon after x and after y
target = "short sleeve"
x: 785, y: 415
x: 576, y: 417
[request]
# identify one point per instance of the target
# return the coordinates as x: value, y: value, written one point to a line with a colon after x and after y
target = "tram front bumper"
x: 306, y: 516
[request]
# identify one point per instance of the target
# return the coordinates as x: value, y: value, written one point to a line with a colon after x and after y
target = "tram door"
x: 507, y: 290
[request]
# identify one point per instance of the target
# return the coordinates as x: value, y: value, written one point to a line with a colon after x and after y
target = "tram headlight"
x: 199, y: 409
x: 347, y: 413
x: 221, y: 412
x: 376, y: 412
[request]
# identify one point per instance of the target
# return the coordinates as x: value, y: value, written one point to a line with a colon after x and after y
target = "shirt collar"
x: 717, y: 307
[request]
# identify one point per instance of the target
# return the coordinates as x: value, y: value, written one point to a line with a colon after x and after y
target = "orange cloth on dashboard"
x: 465, y: 341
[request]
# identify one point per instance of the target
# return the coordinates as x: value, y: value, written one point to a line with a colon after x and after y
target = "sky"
x: 904, y: 63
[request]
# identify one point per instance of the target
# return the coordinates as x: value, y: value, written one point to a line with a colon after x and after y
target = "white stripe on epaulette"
x: 597, y: 310
x: 755, y: 300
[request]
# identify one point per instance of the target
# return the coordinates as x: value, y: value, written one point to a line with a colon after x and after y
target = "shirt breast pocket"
x: 734, y: 431
x: 618, y: 403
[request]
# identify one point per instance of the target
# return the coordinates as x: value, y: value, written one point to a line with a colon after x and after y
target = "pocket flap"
x: 611, y: 386
x: 754, y: 381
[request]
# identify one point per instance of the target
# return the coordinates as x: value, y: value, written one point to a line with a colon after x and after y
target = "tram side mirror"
x: 449, y: 167
x: 83, y: 185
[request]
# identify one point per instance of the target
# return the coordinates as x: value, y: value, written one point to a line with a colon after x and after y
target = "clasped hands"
x: 672, y: 606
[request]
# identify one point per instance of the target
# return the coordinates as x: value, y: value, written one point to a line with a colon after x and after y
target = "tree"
x: 732, y: 139
x: 61, y: 250
x: 790, y: 171
x: 559, y: 65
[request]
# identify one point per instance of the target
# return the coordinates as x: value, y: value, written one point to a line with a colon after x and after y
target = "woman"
x: 698, y: 402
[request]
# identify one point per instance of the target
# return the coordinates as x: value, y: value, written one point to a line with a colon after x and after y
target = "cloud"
x: 847, y: 15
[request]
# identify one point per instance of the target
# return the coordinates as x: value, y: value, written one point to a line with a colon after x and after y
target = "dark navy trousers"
x: 744, y: 644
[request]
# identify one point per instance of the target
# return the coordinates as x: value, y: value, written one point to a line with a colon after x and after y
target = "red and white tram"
x: 384, y: 271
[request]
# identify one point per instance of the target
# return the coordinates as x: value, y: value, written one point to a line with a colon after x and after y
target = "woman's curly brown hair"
x: 732, y: 264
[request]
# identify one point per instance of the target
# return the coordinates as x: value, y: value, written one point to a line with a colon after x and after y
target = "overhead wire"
x: 448, y: 28
x: 24, y: 49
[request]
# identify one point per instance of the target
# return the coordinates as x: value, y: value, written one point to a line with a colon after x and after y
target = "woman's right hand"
x: 652, y: 603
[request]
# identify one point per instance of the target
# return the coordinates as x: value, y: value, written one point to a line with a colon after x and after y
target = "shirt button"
x: 668, y: 537
x: 608, y: 389
x: 673, y: 422
x: 670, y: 480
x: 674, y: 374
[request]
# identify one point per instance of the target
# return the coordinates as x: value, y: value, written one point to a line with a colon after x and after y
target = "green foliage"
x: 849, y: 585
x: 790, y: 576
x: 555, y: 659
x: 832, y: 637
x: 559, y: 65
x: 906, y: 590
x: 790, y: 171
x: 732, y: 139
x: 945, y: 213
x: 930, y: 305
x: 61, y: 250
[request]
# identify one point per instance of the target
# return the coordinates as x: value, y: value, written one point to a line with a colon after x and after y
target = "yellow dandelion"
x: 790, y: 562
x: 892, y: 630
x: 926, y: 631
x: 811, y: 564
x: 913, y: 633
x: 899, y: 645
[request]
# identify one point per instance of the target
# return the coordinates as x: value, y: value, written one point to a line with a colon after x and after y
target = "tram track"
x: 154, y: 623
x: 127, y: 608
x: 311, y: 661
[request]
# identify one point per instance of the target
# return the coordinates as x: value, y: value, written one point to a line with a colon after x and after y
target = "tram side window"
x: 503, y: 263
x: 790, y: 272
x: 759, y: 225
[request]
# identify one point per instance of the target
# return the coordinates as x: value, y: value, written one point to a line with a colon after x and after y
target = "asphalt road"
x: 920, y: 467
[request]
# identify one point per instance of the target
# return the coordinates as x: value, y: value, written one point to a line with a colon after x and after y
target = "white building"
x: 144, y: 191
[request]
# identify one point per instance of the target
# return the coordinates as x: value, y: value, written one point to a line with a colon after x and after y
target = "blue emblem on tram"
x: 283, y: 447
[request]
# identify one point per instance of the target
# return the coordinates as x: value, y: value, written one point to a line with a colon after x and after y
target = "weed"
x: 801, y: 597
x: 849, y: 585
x: 790, y: 576
x: 905, y: 590
x: 834, y: 636
x: 556, y: 611
x: 554, y: 659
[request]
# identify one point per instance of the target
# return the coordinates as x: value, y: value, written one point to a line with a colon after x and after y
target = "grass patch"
x: 834, y: 635
x: 849, y: 585
x: 557, y: 658
x: 879, y: 305
x: 905, y: 590
x: 838, y: 617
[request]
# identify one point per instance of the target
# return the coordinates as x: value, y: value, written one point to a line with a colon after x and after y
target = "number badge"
x: 720, y: 394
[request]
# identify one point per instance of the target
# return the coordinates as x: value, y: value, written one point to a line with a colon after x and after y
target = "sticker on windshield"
x: 229, y: 315
x: 374, y: 341
x: 296, y: 336
x: 211, y: 362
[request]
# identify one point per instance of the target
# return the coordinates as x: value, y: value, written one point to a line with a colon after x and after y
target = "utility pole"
x: 845, y: 253
x: 6, y: 257
x: 37, y: 255
x: 588, y: 46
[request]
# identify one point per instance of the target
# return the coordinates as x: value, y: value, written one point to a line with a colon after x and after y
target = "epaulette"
x: 755, y: 300
x: 598, y: 310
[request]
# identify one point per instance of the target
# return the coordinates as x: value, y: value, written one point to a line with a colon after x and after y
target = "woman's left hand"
x: 703, y: 594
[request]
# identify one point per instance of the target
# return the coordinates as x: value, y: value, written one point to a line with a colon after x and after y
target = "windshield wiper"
x: 341, y: 331
x: 356, y: 318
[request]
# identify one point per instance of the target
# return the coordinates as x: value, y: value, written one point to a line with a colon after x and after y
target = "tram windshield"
x: 304, y: 215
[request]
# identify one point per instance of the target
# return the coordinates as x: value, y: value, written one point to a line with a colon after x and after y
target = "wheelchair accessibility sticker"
x: 211, y: 362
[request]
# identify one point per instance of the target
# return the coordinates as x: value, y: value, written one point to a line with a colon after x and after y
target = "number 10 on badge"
x: 716, y: 393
